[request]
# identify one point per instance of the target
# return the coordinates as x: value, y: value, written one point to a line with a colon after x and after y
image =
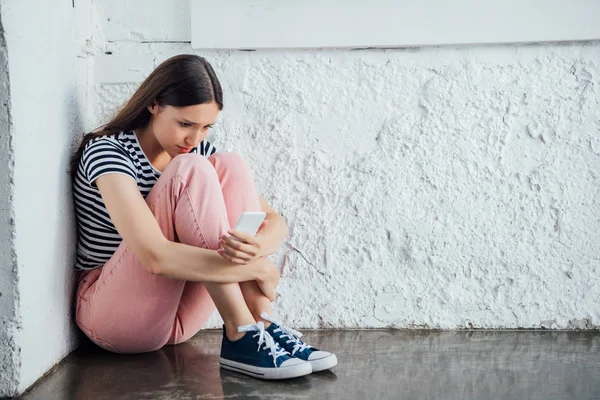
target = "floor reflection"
x: 373, y: 365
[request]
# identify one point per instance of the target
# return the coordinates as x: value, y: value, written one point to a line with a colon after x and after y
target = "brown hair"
x: 180, y: 81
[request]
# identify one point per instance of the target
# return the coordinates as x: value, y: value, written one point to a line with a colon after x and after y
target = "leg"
x: 252, y: 352
x: 122, y: 306
x: 256, y: 301
x: 240, y: 195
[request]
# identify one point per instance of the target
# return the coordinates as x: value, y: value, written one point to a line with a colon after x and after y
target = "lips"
x: 185, y: 149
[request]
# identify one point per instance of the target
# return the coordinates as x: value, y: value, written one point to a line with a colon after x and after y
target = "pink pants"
x: 124, y: 308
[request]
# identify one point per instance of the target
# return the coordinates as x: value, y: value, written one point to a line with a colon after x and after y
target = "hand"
x: 240, y: 247
x: 269, y: 280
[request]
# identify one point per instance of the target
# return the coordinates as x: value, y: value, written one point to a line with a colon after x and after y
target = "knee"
x: 231, y: 161
x: 190, y: 162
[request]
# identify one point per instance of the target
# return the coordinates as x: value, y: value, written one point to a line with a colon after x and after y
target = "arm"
x: 276, y: 231
x: 139, y: 229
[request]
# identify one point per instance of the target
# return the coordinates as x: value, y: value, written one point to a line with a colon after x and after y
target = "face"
x: 179, y: 129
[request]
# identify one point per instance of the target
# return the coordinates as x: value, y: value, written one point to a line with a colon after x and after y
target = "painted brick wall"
x: 450, y: 187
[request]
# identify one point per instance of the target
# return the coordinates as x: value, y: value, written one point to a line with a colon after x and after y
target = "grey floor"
x: 372, y: 365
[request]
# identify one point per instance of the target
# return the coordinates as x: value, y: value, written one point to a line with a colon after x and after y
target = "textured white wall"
x: 43, y: 118
x: 9, y: 352
x: 435, y: 187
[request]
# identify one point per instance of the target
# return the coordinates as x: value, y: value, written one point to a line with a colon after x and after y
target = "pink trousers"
x: 124, y: 308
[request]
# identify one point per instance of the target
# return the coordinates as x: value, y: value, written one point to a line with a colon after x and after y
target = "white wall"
x: 44, y: 115
x: 9, y: 356
x: 435, y: 187
x: 260, y: 24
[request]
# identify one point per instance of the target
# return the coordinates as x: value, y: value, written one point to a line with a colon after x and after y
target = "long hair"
x: 180, y: 81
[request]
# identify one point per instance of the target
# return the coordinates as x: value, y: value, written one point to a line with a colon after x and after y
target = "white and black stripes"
x: 206, y: 148
x: 116, y: 154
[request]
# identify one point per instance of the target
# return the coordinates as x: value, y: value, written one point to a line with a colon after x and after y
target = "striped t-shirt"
x: 120, y: 153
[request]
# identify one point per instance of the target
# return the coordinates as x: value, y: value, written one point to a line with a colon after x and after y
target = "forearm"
x: 272, y: 235
x: 190, y: 263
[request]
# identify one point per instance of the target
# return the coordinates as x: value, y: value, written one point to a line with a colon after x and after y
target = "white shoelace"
x: 265, y: 340
x: 292, y: 334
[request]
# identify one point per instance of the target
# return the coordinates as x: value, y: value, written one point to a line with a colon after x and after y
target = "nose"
x: 194, y: 139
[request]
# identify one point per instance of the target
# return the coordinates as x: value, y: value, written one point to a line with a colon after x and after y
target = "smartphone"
x: 250, y: 221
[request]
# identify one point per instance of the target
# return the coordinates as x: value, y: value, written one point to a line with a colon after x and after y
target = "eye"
x: 185, y: 124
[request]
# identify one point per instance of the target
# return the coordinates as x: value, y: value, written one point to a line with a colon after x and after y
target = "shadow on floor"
x: 374, y: 364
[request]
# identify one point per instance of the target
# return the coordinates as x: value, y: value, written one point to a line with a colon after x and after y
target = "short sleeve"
x: 103, y: 157
x: 206, y: 148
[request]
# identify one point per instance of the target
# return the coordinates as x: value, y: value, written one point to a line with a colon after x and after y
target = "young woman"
x: 155, y: 203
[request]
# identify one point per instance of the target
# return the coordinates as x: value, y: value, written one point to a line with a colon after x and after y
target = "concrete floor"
x: 373, y: 365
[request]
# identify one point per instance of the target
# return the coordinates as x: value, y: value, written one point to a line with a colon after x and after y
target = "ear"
x: 154, y: 108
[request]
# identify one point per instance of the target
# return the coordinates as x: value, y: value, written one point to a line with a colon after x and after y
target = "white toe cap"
x: 317, y: 355
x: 292, y: 362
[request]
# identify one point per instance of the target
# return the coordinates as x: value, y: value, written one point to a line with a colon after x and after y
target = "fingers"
x: 237, y: 254
x: 245, y: 253
x: 231, y: 258
x: 236, y: 247
x: 273, y: 297
x: 241, y: 237
x: 228, y: 250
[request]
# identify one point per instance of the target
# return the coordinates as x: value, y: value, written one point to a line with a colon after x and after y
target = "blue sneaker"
x: 289, y: 339
x: 258, y: 355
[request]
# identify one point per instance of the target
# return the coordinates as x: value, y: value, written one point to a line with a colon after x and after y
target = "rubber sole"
x: 323, y: 363
x: 292, y: 371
